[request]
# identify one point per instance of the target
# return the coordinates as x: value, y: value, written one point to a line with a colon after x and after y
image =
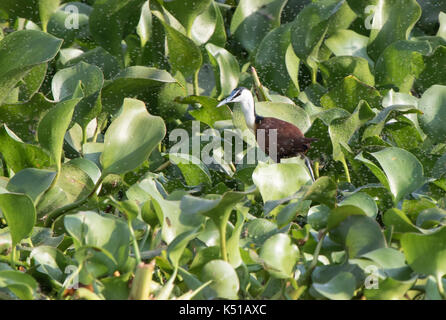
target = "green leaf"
x: 376, y: 125
x: 342, y: 130
x: 174, y: 218
x: 131, y: 138
x: 279, y: 256
x: 233, y: 243
x: 19, y: 155
x: 336, y: 69
x: 399, y: 221
x: 340, y: 287
x: 426, y: 253
x: 348, y: 93
x: 32, y: 182
x: 226, y: 69
x: 65, y: 81
x: 313, y: 23
x: 78, y: 22
x: 16, y: 61
x: 279, y: 180
x: 50, y: 261
x: 442, y: 29
x: 207, y: 113
x: 186, y: 11
x: 253, y: 19
x: 184, y: 55
x: 32, y: 82
x: 433, y: 106
x: 133, y: 81
x: 176, y: 248
x: 225, y: 283
x: 323, y: 191
x: 100, y: 58
x: 193, y: 169
x: 75, y: 182
x: 400, y: 64
x: 349, y: 43
x: 393, y: 21
x: 20, y: 214
x: 52, y: 128
x: 209, y: 26
x: 274, y: 58
x: 21, y: 284
x: 121, y: 16
x: 432, y: 74
x: 359, y: 234
x: 364, y: 201
x: 402, y: 172
x: 108, y: 233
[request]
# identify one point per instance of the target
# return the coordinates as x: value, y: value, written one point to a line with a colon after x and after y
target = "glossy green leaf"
x: 313, y: 23
x: 400, y: 64
x: 359, y: 234
x: 193, y: 169
x: 90, y: 229
x: 207, y: 113
x: 186, y: 11
x: 431, y: 73
x: 279, y: 256
x: 16, y: 60
x: 32, y: 182
x: 19, y: 155
x: 274, y: 60
x: 131, y: 138
x: 342, y: 130
x: 348, y: 93
x: 21, y: 284
x: 52, y: 128
x: 175, y: 219
x: 364, y: 201
x: 20, y: 214
x: 433, y: 104
x: 226, y: 69
x: 253, y: 19
x: 50, y: 261
x: 279, y: 180
x: 209, y: 26
x: 349, y: 43
x: 425, y: 253
x: 392, y: 21
x: 121, y: 16
x: 323, y: 191
x: 184, y: 55
x: 76, y: 16
x: 225, y: 283
x: 336, y: 69
x: 340, y: 287
x: 132, y: 81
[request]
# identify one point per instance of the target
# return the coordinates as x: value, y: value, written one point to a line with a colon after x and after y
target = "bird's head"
x: 237, y: 95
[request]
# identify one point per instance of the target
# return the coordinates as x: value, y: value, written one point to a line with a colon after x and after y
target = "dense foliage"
x: 95, y: 205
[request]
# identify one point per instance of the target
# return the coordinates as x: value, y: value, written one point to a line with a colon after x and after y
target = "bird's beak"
x: 225, y: 101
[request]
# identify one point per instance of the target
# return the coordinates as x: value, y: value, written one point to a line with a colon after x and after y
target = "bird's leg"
x: 308, y: 164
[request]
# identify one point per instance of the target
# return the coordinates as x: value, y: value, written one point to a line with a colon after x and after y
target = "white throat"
x: 247, y: 104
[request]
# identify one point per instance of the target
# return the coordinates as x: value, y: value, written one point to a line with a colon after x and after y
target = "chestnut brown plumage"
x: 291, y: 142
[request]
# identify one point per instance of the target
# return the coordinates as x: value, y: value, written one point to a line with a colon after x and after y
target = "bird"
x: 290, y: 141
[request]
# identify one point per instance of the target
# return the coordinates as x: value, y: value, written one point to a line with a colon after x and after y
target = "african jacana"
x: 291, y: 141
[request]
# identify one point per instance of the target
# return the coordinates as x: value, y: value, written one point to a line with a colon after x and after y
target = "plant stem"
x: 135, y: 243
x: 313, y: 76
x: 440, y: 286
x: 260, y: 91
x: 222, y: 229
x: 13, y: 251
x: 316, y: 169
x: 84, y: 135
x: 141, y: 284
x: 315, y: 259
x: 196, y: 85
x: 52, y: 216
x: 347, y: 172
